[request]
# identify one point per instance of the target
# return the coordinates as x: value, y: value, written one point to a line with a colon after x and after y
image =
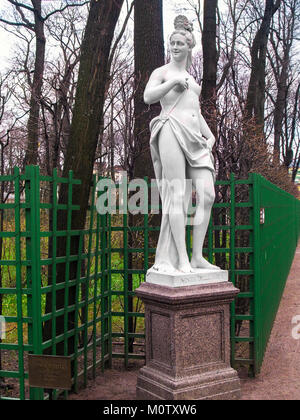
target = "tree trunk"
x: 85, y: 129
x: 255, y: 102
x: 31, y: 156
x: 253, y: 114
x: 296, y: 160
x: 284, y: 36
x: 112, y: 143
x: 280, y: 107
x: 149, y: 54
x: 209, y: 84
x: 209, y: 47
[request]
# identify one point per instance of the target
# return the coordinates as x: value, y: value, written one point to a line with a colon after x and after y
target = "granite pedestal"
x: 187, y: 337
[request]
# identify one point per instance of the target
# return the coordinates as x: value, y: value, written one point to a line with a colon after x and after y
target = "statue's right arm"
x: 157, y: 88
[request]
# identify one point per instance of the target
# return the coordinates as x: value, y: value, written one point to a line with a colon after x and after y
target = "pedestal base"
x: 187, y: 343
x: 215, y: 385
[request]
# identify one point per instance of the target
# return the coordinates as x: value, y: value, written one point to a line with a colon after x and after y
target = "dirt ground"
x: 279, y: 378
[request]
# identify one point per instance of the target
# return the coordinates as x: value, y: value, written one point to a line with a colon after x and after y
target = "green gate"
x: 253, y: 233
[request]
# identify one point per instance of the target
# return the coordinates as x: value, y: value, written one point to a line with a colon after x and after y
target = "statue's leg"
x: 202, y: 179
x: 174, y: 170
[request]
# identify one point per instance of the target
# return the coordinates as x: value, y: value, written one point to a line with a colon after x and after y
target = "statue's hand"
x: 210, y: 142
x: 181, y: 84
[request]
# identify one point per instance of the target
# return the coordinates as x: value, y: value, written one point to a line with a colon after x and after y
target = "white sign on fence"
x: 2, y: 328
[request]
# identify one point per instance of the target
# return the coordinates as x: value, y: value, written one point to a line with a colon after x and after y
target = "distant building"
x: 106, y: 171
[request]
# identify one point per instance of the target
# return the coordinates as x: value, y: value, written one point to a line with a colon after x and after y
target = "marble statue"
x: 181, y: 148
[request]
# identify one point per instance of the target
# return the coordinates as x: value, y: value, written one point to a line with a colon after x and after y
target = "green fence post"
x: 19, y: 282
x: 256, y: 179
x: 32, y: 194
x: 232, y: 264
x: 297, y: 218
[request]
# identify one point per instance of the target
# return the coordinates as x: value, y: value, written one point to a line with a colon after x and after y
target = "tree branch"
x: 25, y: 6
x: 17, y: 24
x: 64, y: 8
x: 120, y: 36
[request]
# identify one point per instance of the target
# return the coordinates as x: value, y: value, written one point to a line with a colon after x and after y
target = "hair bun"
x: 182, y: 22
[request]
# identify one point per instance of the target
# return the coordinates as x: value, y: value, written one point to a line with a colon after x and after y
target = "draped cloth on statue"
x: 197, y: 155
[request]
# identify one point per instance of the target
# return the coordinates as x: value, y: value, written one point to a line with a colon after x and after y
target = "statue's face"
x: 179, y: 47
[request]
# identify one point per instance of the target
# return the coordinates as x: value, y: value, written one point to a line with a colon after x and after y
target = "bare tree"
x: 255, y: 101
x: 59, y: 86
x: 282, y: 38
x: 295, y: 132
x: 209, y: 48
x: 30, y: 16
x: 86, y: 126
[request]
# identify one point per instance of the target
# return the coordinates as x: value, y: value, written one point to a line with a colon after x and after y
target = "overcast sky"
x: 7, y: 40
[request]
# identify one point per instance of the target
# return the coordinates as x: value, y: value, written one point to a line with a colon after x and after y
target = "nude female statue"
x: 181, y: 144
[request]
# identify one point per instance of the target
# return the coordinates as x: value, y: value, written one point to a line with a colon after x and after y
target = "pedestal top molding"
x: 178, y: 279
x: 200, y: 293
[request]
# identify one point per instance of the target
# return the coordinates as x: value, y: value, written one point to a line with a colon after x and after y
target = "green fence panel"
x: 276, y: 238
x: 29, y: 278
x: 13, y: 295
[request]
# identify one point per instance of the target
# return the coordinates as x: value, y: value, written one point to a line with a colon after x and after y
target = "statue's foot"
x: 164, y: 268
x: 186, y: 268
x: 201, y: 262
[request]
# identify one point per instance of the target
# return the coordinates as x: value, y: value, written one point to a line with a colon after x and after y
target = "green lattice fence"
x: 253, y: 233
x: 29, y: 283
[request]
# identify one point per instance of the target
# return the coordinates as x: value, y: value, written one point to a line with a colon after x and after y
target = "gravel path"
x: 280, y: 374
x: 279, y: 378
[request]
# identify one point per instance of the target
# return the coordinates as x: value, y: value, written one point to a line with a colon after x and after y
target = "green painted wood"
x: 102, y: 315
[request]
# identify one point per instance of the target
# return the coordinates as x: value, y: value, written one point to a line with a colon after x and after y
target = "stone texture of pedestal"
x: 187, y: 342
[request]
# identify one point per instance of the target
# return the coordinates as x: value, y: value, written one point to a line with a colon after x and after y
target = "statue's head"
x: 185, y: 28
